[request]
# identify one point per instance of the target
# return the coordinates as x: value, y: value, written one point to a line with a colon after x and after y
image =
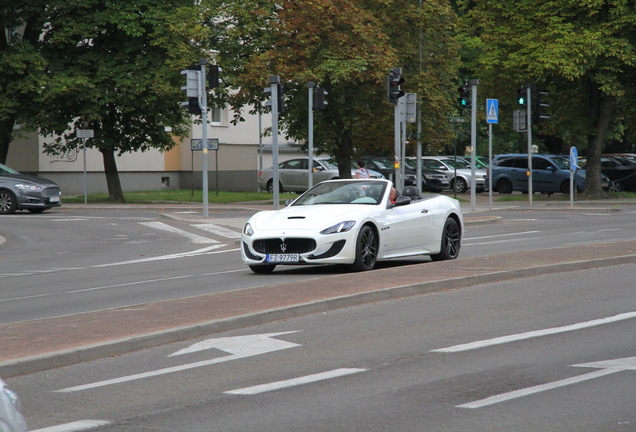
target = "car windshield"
x: 383, y: 163
x: 6, y: 170
x: 461, y: 163
x: 330, y: 163
x: 562, y: 162
x: 343, y: 192
x: 625, y: 160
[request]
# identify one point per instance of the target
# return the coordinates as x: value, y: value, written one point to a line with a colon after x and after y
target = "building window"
x: 216, y: 116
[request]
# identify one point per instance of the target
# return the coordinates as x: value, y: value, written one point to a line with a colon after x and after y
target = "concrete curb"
x: 90, y: 352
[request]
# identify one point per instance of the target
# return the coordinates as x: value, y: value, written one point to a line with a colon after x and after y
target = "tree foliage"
x: 583, y: 52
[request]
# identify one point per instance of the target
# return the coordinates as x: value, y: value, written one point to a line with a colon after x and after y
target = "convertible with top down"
x: 353, y: 222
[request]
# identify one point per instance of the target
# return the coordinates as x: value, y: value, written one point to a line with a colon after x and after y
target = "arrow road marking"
x: 295, y: 381
x: 238, y: 346
x: 533, y: 334
x: 607, y: 367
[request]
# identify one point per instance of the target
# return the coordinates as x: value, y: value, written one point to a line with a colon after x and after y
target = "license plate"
x: 54, y: 199
x: 282, y: 258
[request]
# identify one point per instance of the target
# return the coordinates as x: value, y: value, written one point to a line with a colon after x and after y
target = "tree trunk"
x: 115, y: 193
x: 601, y: 111
x: 6, y: 136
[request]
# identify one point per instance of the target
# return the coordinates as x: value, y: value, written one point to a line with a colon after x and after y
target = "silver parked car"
x: 25, y: 192
x: 293, y: 174
x: 11, y: 419
x: 448, y: 166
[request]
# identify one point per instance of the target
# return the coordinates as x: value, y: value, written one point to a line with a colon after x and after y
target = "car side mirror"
x: 402, y: 200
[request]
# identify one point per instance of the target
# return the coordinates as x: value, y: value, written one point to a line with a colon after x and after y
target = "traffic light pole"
x: 529, y: 114
x: 473, y: 143
x: 274, y: 81
x: 203, y: 103
x: 310, y: 137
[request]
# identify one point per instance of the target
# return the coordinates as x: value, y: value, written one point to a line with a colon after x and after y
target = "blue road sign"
x: 492, y: 110
x: 574, y: 159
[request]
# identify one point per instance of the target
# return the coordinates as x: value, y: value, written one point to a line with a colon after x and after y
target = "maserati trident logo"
x: 283, y: 247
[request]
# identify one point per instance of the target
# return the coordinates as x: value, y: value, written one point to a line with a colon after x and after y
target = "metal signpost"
x: 213, y: 144
x: 473, y: 142
x: 574, y: 159
x: 492, y: 116
x: 85, y: 134
x: 310, y: 137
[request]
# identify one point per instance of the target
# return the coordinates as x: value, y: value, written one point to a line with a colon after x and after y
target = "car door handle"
x: 424, y: 211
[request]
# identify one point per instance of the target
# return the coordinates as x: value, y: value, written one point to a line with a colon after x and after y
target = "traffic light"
x: 280, y: 100
x: 213, y: 76
x: 463, y: 100
x: 522, y: 99
x: 192, y: 88
x: 319, y: 98
x: 539, y: 105
x: 394, y: 80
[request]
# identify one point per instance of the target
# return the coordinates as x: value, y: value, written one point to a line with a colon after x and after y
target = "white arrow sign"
x: 238, y: 346
x: 607, y: 367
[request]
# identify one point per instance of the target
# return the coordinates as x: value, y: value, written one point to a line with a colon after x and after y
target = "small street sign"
x: 85, y: 133
x: 574, y: 159
x: 492, y: 110
x: 456, y: 119
x: 197, y: 144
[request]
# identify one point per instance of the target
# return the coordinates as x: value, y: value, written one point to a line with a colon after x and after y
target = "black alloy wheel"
x: 451, y: 241
x: 366, y: 250
x: 504, y: 186
x: 615, y: 186
x: 8, y: 203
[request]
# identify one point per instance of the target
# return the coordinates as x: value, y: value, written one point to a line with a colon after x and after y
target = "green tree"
x: 583, y: 52
x: 21, y: 65
x: 115, y: 65
x: 348, y: 48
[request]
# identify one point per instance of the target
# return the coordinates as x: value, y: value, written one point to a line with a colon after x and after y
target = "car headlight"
x: 339, y: 227
x: 28, y: 187
x: 247, y: 230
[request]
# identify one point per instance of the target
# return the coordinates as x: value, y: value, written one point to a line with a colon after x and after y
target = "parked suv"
x: 550, y: 173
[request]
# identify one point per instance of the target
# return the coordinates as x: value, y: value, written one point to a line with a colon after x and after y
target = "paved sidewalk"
x: 31, y: 346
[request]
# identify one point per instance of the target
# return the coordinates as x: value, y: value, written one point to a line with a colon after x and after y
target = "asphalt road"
x: 393, y: 365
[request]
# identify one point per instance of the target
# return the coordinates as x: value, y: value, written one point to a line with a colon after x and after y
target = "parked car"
x: 11, y: 419
x: 550, y: 174
x: 481, y: 162
x: 25, y: 192
x: 448, y: 165
x: 347, y: 222
x: 293, y: 174
x: 432, y: 181
x: 621, y: 171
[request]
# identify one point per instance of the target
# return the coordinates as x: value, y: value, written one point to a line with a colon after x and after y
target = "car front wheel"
x: 366, y: 250
x: 8, y: 204
x: 451, y: 241
x: 615, y: 187
x: 270, y: 187
x: 460, y: 185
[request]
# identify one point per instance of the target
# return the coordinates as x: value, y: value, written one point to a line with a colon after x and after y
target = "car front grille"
x: 51, y: 192
x: 284, y: 245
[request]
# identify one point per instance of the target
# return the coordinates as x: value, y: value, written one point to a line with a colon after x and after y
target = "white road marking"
x: 69, y: 220
x: 536, y: 389
x: 163, y: 257
x: 239, y: 347
x: 74, y: 426
x: 218, y: 230
x: 123, y: 284
x: 537, y: 333
x: 502, y: 235
x: 500, y: 241
x: 295, y: 381
x: 165, y: 227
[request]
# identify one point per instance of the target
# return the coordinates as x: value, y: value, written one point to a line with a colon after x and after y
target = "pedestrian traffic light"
x: 539, y: 106
x: 213, y: 74
x: 394, y: 80
x: 522, y: 99
x: 192, y: 88
x: 319, y: 98
x: 463, y: 100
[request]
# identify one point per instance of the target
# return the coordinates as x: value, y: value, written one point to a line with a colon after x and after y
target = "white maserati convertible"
x: 353, y: 222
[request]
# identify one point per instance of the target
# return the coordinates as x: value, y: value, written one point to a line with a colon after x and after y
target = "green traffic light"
x: 522, y: 101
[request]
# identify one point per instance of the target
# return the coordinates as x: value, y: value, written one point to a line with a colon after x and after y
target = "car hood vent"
x: 296, y: 217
